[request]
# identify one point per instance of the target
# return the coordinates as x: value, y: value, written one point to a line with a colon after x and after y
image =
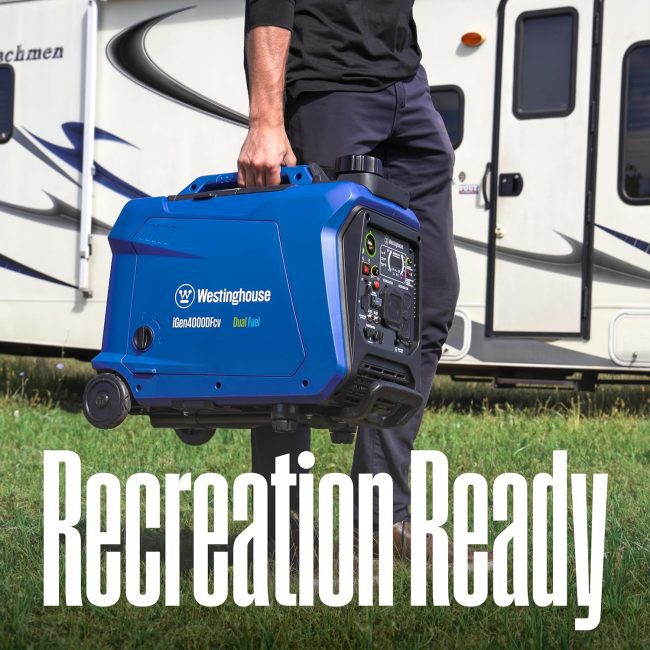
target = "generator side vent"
x: 375, y: 371
x: 369, y: 371
x: 160, y: 234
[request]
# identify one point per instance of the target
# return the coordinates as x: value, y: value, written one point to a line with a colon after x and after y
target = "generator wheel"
x: 196, y: 436
x: 106, y: 401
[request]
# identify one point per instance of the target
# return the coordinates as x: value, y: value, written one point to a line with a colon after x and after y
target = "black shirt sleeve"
x: 264, y: 13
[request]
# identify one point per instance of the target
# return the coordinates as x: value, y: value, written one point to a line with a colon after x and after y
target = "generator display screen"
x: 393, y: 262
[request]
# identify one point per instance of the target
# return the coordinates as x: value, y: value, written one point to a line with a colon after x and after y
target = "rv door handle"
x: 488, y: 170
x: 510, y: 184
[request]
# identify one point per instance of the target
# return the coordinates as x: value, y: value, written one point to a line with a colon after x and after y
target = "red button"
x: 375, y: 285
x: 365, y: 269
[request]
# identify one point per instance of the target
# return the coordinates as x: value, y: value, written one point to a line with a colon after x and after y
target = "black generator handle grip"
x: 407, y: 402
x: 298, y: 175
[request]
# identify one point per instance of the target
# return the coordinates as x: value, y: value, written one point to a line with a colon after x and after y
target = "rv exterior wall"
x: 171, y: 104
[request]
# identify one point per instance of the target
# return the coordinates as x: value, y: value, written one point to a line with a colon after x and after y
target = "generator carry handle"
x: 226, y: 184
x: 409, y: 401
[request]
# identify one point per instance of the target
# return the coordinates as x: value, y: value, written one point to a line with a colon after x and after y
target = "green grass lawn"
x: 480, y: 430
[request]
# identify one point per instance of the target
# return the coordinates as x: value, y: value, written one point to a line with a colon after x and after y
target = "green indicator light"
x: 371, y: 245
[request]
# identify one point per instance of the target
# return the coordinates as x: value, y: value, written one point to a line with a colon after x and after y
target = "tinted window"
x: 545, y: 64
x: 635, y: 163
x: 6, y: 102
x: 450, y: 103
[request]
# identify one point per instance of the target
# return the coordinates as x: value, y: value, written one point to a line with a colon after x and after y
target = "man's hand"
x: 266, y: 147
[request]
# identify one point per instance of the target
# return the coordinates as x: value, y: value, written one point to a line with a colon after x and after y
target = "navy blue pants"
x: 401, y: 126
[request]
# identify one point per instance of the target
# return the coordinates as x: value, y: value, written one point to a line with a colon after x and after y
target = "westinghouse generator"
x: 287, y: 305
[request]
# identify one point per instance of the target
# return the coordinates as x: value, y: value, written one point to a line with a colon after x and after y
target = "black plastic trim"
x: 486, y: 173
x: 592, y: 167
x: 623, y: 123
x: 461, y: 109
x: 232, y: 191
x: 494, y: 181
x: 379, y: 186
x: 537, y: 335
x: 5, y: 136
x: 519, y: 42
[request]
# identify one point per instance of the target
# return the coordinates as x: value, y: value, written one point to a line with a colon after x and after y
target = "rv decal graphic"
x: 12, y: 265
x: 632, y: 241
x: 74, y: 155
x: 24, y: 141
x: 60, y: 214
x: 32, y: 54
x: 606, y: 267
x: 128, y: 54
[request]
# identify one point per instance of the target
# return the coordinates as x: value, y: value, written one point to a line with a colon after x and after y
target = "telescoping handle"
x: 298, y: 175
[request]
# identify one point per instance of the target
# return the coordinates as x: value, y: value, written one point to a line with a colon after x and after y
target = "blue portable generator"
x: 288, y: 305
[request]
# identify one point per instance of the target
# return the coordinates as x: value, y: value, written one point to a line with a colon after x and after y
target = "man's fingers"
x: 249, y: 177
x: 272, y: 175
x: 262, y: 153
x: 259, y: 176
x: 241, y: 175
x: 290, y: 158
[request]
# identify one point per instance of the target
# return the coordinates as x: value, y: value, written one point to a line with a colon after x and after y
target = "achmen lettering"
x: 32, y: 54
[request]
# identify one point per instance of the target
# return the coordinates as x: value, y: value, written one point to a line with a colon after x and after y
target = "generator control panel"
x: 387, y: 291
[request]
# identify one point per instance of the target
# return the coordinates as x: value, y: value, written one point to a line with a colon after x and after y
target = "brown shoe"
x: 402, y: 546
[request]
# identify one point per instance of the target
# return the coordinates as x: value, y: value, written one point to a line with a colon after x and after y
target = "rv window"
x: 450, y: 103
x: 545, y: 64
x: 634, y: 184
x: 6, y: 102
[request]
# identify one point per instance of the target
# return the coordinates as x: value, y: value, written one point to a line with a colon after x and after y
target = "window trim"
x: 519, y: 44
x: 461, y: 108
x: 623, y: 124
x: 12, y: 74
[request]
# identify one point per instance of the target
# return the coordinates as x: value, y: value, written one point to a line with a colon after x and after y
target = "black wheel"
x: 106, y: 401
x: 195, y: 437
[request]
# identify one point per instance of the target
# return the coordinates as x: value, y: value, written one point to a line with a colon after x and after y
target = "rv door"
x: 43, y: 52
x: 537, y: 262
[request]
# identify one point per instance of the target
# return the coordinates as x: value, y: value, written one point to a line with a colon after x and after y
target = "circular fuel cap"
x: 358, y: 163
x: 143, y: 338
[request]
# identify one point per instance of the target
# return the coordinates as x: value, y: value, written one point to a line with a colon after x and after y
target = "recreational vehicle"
x: 547, y: 103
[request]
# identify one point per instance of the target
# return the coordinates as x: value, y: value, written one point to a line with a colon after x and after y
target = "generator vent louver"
x: 159, y: 234
x: 369, y: 372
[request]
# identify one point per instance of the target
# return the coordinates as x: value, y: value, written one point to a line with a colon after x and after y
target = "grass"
x: 480, y: 430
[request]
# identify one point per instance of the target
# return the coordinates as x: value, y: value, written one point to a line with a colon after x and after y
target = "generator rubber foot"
x: 195, y: 436
x: 343, y: 436
x: 284, y: 418
x: 106, y: 401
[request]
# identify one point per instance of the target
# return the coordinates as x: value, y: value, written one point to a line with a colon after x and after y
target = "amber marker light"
x: 473, y: 39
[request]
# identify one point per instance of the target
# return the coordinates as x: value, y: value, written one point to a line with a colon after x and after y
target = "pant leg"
x: 266, y: 444
x: 321, y: 127
x: 419, y: 157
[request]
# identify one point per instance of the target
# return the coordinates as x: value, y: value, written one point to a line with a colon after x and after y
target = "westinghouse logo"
x: 234, y: 296
x: 184, y: 296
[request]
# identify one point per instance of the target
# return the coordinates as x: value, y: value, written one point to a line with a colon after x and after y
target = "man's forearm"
x: 267, y: 49
x: 266, y: 147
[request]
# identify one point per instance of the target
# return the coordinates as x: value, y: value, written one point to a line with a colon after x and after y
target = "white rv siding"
x: 513, y: 311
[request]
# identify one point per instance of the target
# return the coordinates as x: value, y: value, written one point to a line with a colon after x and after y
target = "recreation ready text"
x: 111, y: 545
